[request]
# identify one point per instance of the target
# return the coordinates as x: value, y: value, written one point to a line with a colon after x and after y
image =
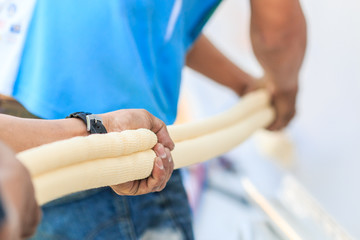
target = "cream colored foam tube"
x: 80, y: 149
x: 82, y: 163
x: 251, y: 103
x: 93, y: 174
x: 211, y: 145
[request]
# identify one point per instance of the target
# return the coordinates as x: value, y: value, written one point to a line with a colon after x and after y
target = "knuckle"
x: 162, y: 178
x: 134, y: 191
x: 146, y: 113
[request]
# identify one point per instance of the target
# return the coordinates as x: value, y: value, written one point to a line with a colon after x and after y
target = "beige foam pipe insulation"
x: 82, y: 163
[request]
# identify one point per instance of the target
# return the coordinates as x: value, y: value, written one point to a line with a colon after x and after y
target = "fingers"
x: 160, y: 175
x: 127, y: 119
x: 169, y: 167
x: 159, y: 128
x: 282, y: 100
x: 284, y: 104
x: 159, y: 149
x: 163, y: 168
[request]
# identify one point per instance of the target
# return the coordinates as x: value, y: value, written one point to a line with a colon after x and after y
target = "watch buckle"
x: 94, y: 117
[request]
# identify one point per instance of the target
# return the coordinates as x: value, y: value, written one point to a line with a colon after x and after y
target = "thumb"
x: 160, y: 129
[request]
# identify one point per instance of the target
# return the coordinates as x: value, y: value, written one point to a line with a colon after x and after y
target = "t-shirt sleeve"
x: 195, y: 15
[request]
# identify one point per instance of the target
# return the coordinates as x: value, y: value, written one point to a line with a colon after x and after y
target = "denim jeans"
x: 101, y: 214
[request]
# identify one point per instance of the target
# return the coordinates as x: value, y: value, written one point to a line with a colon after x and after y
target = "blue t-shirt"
x: 104, y: 55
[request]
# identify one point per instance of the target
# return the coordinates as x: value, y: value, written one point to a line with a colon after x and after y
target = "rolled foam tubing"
x: 251, y: 103
x: 80, y: 149
x: 93, y: 174
x: 96, y: 167
x: 211, y: 145
x: 111, y: 171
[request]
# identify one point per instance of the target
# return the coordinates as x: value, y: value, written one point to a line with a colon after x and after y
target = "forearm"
x: 278, y: 35
x: 22, y: 133
x: 206, y: 59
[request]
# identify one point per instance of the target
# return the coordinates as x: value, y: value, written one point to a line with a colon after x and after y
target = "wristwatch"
x: 93, y: 122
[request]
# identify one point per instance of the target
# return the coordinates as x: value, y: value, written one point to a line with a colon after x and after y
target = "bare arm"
x: 278, y: 35
x: 22, y: 133
x: 206, y: 59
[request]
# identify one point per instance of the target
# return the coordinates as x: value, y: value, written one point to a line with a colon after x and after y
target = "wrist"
x: 281, y: 84
x: 76, y: 126
x: 105, y: 120
x: 92, y: 122
x: 239, y: 81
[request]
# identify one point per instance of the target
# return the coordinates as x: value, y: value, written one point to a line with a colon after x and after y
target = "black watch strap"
x: 93, y: 122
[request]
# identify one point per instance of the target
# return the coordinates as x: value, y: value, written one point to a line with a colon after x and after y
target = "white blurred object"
x: 15, y: 16
x: 298, y: 201
x: 276, y: 146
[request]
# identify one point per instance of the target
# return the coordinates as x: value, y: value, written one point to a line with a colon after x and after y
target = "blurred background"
x: 321, y: 166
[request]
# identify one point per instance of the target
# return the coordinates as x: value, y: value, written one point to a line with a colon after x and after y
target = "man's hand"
x: 17, y: 193
x: 283, y: 99
x: 127, y: 119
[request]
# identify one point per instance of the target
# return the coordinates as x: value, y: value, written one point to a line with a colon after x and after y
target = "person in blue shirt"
x: 99, y: 56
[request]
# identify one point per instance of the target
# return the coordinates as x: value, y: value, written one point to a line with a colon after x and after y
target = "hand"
x: 127, y: 119
x: 283, y: 99
x: 17, y: 193
x: 163, y: 165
